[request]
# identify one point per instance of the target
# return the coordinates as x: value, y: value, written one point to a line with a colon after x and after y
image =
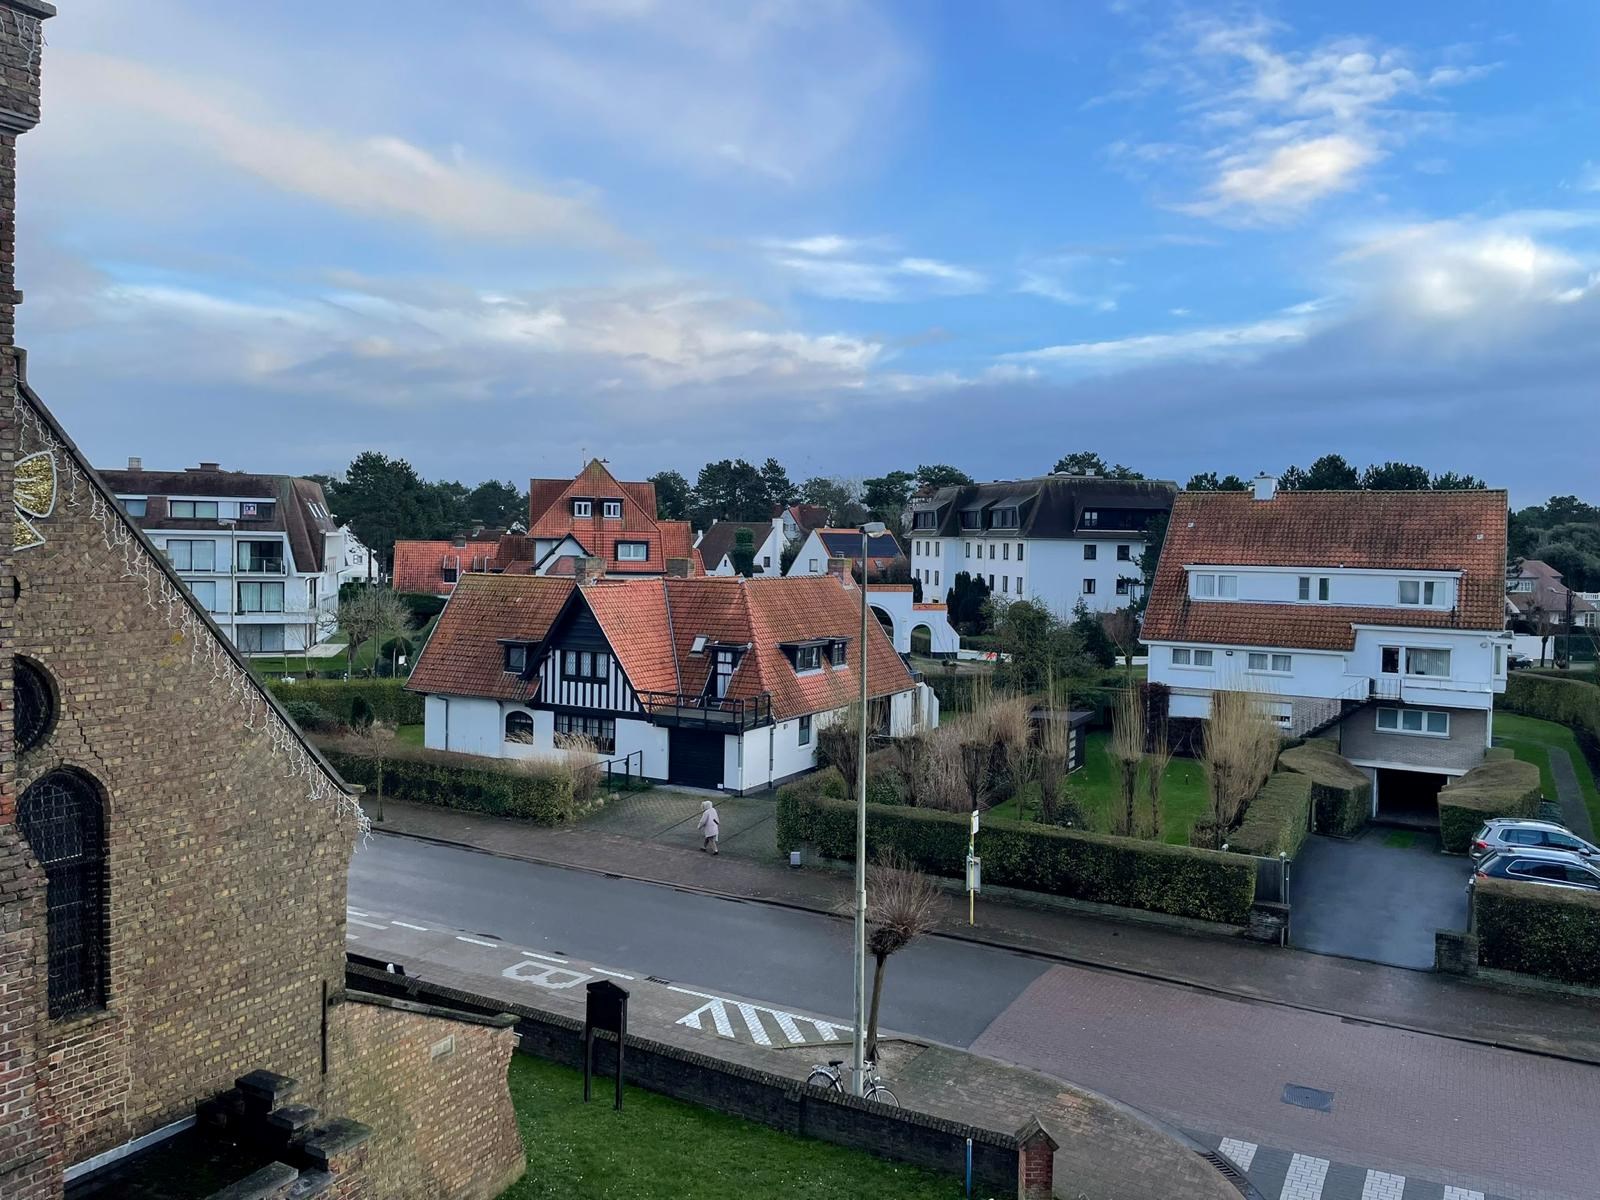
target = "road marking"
x: 1455, y: 1193
x: 753, y: 1023
x: 554, y: 978
x: 717, y: 1007
x: 355, y: 912
x: 409, y: 925
x: 546, y: 957
x: 470, y: 941
x: 365, y: 924
x: 1381, y: 1185
x: 1240, y: 1154
x: 1305, y: 1178
x: 613, y: 974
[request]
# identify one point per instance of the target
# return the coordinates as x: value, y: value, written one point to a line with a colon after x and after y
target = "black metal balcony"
x: 707, y: 712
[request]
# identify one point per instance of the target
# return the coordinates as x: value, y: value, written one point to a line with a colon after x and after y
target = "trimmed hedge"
x: 308, y: 714
x: 462, y: 781
x: 1177, y: 880
x: 1341, y: 794
x: 1491, y: 789
x: 1549, y: 931
x: 1499, y: 754
x: 1277, y: 820
x: 388, y: 699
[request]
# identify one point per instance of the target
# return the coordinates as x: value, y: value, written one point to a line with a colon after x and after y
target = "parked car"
x: 1515, y: 661
x: 1515, y: 833
x: 1552, y: 868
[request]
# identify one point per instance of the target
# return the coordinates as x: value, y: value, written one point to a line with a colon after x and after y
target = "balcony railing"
x: 707, y: 712
x: 261, y: 566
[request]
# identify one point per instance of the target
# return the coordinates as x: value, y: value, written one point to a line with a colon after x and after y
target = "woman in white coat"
x: 710, y: 826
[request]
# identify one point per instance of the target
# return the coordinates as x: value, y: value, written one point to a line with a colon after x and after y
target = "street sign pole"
x: 974, y: 870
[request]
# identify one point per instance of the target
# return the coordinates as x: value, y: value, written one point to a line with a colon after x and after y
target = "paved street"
x: 1403, y: 1106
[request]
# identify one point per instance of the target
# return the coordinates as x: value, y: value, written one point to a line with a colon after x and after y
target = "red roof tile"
x: 464, y: 656
x: 550, y: 516
x: 1428, y: 531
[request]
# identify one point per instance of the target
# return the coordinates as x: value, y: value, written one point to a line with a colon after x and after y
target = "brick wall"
x: 432, y: 1088
x: 1360, y: 738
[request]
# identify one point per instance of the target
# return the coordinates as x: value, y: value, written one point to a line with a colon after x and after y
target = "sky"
x: 496, y: 238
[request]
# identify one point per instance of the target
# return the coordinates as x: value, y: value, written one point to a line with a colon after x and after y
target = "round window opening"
x: 35, y: 704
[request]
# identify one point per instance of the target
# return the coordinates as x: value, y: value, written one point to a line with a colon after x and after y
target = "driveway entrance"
x: 1379, y: 897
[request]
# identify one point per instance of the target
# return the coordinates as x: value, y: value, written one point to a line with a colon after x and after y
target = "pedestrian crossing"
x: 1288, y: 1175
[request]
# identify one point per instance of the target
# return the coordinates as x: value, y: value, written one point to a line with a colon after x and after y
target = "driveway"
x: 1379, y: 897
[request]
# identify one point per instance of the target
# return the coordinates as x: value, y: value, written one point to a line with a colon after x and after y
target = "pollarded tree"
x: 1127, y: 747
x: 902, y: 905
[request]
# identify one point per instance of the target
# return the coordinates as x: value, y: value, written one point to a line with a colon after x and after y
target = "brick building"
x: 172, y: 866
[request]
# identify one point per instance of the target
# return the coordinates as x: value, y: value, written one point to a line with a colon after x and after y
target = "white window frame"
x: 189, y: 544
x: 1427, y: 593
x: 625, y: 551
x: 1212, y: 585
x: 1272, y: 662
x: 811, y: 565
x: 583, y: 508
x: 1088, y: 587
x: 611, y: 510
x: 1190, y: 659
x: 1424, y: 719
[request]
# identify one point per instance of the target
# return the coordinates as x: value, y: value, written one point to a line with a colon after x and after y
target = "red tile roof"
x: 550, y: 516
x: 419, y: 566
x: 1426, y: 531
x: 652, y: 625
x: 464, y: 656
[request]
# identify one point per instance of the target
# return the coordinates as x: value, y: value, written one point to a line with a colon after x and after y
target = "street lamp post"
x: 859, y: 1058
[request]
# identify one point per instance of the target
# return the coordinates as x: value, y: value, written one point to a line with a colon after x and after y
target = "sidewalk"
x: 1420, y: 1001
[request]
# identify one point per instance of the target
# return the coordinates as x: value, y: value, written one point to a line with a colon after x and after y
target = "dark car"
x: 1553, y: 868
x: 1516, y: 662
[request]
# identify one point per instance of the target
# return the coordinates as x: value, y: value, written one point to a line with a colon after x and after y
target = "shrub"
x: 422, y: 607
x: 1082, y: 866
x: 1241, y: 748
x: 539, y: 792
x: 1491, y: 789
x: 1277, y: 820
x: 1571, y: 702
x: 308, y: 714
x: 1341, y: 793
x: 886, y: 784
x: 388, y: 700
x: 1499, y: 754
x: 1554, y: 932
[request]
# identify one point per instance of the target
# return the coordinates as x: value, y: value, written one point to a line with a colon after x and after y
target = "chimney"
x: 587, y: 570
x: 135, y: 463
x: 1266, y: 486
x: 21, y: 45
x: 839, y: 568
x: 678, y: 568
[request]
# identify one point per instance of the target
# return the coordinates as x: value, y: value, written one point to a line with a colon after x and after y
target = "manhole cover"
x: 1308, y: 1097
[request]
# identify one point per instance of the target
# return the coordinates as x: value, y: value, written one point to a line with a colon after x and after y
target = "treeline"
x: 735, y: 490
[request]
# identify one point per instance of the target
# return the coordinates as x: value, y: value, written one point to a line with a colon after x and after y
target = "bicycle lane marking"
x: 788, y: 1023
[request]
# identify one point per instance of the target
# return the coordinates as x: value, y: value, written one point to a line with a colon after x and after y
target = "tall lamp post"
x: 870, y: 530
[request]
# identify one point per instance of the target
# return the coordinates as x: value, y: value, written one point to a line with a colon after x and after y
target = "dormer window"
x: 926, y: 519
x: 808, y: 658
x: 1091, y: 518
x: 972, y: 518
x: 1216, y: 587
x: 583, y: 508
x: 611, y: 510
x: 1418, y: 591
x: 1313, y: 587
x: 1004, y: 518
x: 516, y: 659
x: 839, y: 652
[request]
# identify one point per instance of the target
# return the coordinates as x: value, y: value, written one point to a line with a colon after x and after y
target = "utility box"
x: 974, y: 873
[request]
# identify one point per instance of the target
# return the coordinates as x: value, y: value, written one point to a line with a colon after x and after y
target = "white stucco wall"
x: 645, y: 737
x: 463, y: 724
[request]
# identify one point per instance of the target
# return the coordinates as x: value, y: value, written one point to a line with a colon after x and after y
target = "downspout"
x: 772, y: 753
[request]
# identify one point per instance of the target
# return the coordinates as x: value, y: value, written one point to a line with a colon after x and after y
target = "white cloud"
x: 1081, y: 280
x: 1291, y: 176
x: 816, y: 265
x: 1218, y: 341
x: 1589, y: 177
x: 379, y: 175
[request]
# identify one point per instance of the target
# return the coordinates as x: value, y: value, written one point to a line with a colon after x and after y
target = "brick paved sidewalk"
x: 1473, y: 1010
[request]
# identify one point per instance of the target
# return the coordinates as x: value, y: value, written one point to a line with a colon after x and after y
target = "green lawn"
x: 295, y: 664
x: 1183, y: 795
x: 656, y: 1147
x: 409, y: 735
x: 1529, y: 738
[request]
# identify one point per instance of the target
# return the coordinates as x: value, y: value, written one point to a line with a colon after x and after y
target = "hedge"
x: 1177, y: 880
x: 539, y: 796
x: 1499, y: 754
x: 1277, y: 820
x: 389, y: 700
x: 1341, y: 794
x: 1538, y: 930
x: 1491, y: 789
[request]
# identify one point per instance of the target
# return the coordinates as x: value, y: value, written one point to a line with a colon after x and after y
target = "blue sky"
x: 856, y: 236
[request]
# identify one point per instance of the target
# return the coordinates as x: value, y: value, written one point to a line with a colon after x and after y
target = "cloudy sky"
x: 858, y: 236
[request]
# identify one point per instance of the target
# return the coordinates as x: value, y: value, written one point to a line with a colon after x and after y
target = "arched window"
x: 519, y: 727
x: 33, y: 703
x: 64, y: 822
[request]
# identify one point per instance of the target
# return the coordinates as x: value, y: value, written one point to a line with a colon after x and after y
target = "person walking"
x: 710, y: 826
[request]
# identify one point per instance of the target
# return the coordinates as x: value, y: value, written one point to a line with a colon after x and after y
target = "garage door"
x: 694, y: 757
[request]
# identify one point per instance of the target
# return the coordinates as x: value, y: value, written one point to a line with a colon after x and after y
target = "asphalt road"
x: 1496, y: 1121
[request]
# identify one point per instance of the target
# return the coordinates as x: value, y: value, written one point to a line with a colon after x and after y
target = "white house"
x: 261, y: 553
x: 705, y: 682
x: 1055, y: 540
x: 883, y: 553
x: 1378, y: 616
x: 715, y: 546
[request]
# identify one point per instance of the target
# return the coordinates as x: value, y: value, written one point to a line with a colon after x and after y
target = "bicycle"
x: 831, y: 1076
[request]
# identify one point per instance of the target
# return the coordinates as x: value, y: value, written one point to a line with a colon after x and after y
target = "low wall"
x: 772, y: 1100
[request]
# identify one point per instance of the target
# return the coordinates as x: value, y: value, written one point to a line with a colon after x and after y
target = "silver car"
x: 1512, y: 833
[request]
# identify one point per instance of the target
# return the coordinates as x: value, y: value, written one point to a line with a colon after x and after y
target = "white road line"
x: 355, y: 912
x: 365, y: 924
x: 1381, y: 1185
x: 613, y: 974
x: 1240, y: 1154
x: 1455, y: 1193
x: 473, y: 941
x: 409, y: 925
x: 1305, y: 1178
x: 546, y: 957
x: 790, y: 1029
x: 753, y: 1023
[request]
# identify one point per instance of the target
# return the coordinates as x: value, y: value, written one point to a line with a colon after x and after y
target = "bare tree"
x: 1127, y: 747
x: 1053, y: 763
x: 902, y: 904
x: 839, y: 744
x: 1122, y: 627
x: 1241, y: 747
x: 369, y: 613
x: 1156, y: 760
x: 375, y: 740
